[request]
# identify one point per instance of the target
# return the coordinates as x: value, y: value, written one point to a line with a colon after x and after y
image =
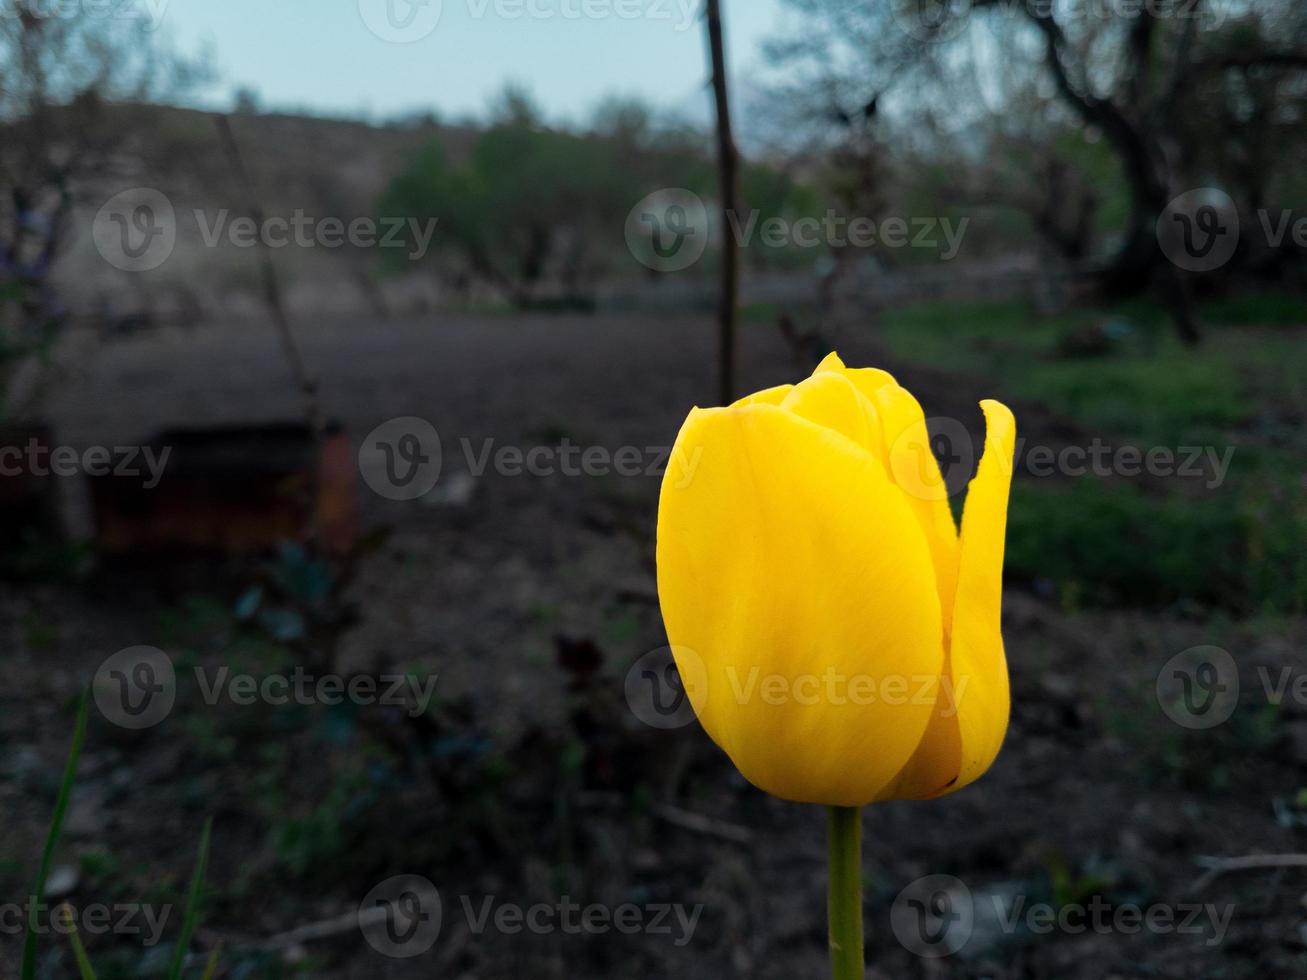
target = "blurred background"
x: 341, y: 349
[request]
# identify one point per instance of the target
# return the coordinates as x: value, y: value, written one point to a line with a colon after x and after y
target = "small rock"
x: 1059, y: 688
x: 85, y: 818
x: 454, y: 490
x: 62, y: 882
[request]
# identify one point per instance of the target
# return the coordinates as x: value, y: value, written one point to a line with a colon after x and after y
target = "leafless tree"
x: 1138, y: 75
x: 68, y: 80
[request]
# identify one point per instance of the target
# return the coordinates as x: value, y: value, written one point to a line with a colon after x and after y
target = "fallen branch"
x: 686, y: 820
x: 1253, y: 862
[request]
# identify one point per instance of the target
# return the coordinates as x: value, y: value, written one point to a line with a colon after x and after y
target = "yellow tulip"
x: 837, y: 636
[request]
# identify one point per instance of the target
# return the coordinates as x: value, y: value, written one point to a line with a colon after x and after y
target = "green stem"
x: 845, y: 904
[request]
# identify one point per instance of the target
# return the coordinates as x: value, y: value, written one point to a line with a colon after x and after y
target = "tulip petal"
x: 972, y: 713
x: 911, y: 464
x: 831, y: 400
x: 866, y: 380
x: 831, y: 362
x: 794, y: 568
x: 768, y: 396
x: 913, y: 467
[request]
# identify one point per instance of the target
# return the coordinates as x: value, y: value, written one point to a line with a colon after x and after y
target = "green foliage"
x: 318, y: 838
x: 1208, y: 760
x: 529, y: 204
x: 1239, y: 546
x: 532, y: 206
x: 1103, y: 542
x: 193, y: 899
x: 37, y: 894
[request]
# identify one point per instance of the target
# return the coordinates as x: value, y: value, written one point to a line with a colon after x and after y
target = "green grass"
x: 1106, y: 543
x: 1151, y: 386
x: 1241, y: 546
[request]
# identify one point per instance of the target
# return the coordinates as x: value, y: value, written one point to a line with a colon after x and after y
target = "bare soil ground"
x: 537, y: 783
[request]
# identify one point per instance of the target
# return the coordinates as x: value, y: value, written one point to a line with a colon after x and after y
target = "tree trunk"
x: 728, y: 167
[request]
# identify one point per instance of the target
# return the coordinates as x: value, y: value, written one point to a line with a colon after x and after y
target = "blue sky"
x: 384, y: 57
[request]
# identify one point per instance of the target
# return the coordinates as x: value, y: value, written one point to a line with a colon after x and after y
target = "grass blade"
x: 79, y: 951
x: 212, y: 967
x: 192, y: 903
x: 56, y: 827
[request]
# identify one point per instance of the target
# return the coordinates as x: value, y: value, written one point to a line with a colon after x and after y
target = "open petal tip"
x: 831, y: 362
x: 1000, y: 423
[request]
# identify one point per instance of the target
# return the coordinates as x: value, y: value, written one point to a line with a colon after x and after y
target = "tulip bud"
x: 846, y: 636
